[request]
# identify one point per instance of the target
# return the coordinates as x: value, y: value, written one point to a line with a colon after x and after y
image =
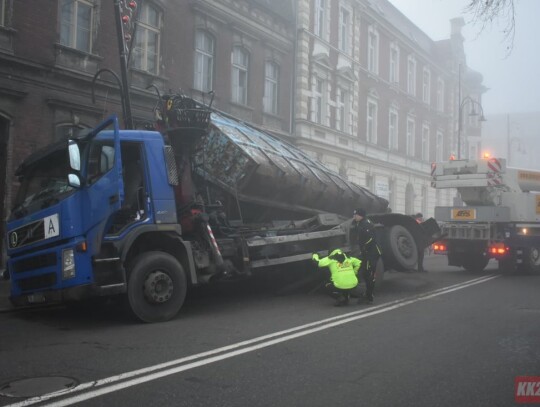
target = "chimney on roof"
x: 456, y: 24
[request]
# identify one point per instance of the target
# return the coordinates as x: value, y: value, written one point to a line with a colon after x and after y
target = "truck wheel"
x: 401, y: 247
x: 532, y: 261
x: 156, y: 287
x: 474, y: 262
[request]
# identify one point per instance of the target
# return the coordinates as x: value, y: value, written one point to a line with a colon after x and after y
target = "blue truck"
x: 144, y: 215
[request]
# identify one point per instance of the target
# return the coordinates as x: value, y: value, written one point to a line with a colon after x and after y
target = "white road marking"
x: 227, y: 352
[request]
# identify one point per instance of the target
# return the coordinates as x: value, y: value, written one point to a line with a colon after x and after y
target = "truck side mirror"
x: 74, y: 156
x: 74, y: 181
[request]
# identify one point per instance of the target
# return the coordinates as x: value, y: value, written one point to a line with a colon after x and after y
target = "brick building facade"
x: 51, y: 49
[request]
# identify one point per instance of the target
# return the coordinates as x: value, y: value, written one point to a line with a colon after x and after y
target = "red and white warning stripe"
x: 494, y: 165
x: 213, y: 239
x: 494, y: 180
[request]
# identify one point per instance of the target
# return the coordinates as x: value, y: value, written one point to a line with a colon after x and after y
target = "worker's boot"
x: 341, y: 300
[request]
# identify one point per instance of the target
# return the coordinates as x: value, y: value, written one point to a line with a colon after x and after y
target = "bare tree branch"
x: 487, y: 12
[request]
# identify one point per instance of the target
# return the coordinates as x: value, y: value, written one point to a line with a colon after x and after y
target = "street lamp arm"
x: 464, y: 101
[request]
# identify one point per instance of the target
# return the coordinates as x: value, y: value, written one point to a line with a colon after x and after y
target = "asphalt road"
x: 442, y: 338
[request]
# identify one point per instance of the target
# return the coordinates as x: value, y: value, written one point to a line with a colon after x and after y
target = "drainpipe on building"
x: 292, y: 123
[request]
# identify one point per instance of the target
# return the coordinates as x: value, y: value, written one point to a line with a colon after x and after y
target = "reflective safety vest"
x: 343, y: 275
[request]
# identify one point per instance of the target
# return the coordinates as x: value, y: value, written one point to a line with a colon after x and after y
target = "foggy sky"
x: 513, y: 80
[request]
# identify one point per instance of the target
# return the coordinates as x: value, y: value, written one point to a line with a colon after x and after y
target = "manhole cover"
x: 37, y: 386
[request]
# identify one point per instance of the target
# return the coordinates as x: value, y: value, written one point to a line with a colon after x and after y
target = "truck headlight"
x: 68, y: 264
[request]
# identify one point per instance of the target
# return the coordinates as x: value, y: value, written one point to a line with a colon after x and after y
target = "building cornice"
x: 243, y: 23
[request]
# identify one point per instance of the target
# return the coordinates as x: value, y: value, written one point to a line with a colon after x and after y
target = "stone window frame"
x: 158, y: 29
x: 271, y: 106
x: 371, y: 136
x: 393, y: 139
x: 373, y: 49
x: 410, y: 146
x: 238, y: 67
x: 205, y: 54
x: 73, y: 39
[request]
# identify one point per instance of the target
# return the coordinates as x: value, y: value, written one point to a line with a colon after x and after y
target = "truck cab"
x: 83, y: 207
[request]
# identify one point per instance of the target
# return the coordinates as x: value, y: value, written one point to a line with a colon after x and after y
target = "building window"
x: 342, y: 110
x: 146, y: 49
x: 371, y: 130
x: 440, y: 95
x: 271, y: 82
x: 393, y: 129
x: 204, y: 61
x: 64, y: 131
x: 394, y: 63
x: 318, y: 100
x: 411, y: 75
x: 76, y: 23
x: 319, y: 17
x: 410, y: 137
x: 426, y: 85
x: 344, y: 21
x: 370, y: 182
x: 240, y: 75
x: 343, y: 169
x: 425, y: 142
x: 439, y: 148
x: 373, y: 50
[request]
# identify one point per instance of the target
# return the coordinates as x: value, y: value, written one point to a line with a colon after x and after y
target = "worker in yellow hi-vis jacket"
x: 343, y: 274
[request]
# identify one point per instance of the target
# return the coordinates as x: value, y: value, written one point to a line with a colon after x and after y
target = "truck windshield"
x: 44, y: 182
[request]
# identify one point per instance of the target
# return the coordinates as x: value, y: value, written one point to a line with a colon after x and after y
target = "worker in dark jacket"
x: 364, y: 246
x: 343, y: 274
x: 419, y: 218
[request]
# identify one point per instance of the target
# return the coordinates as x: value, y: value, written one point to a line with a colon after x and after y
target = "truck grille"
x: 32, y: 263
x: 35, y: 283
x: 27, y: 234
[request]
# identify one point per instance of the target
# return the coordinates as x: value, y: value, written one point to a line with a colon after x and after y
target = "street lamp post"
x: 467, y: 99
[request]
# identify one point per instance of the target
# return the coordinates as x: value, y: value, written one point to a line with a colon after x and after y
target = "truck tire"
x: 531, y: 261
x: 474, y: 262
x: 401, y: 248
x: 156, y: 287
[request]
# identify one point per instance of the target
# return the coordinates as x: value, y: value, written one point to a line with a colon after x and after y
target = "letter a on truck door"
x: 103, y: 173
